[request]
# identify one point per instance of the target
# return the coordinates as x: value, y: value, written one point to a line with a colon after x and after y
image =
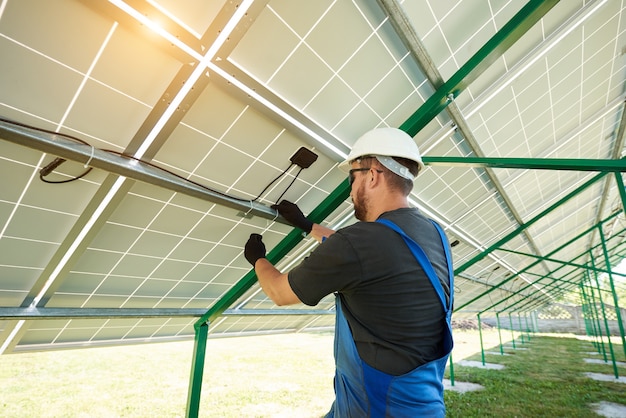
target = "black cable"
x: 57, y: 161
x: 52, y: 166
x: 272, y: 182
x: 290, y: 184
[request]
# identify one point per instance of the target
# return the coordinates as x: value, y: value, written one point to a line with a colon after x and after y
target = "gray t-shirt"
x: 395, y: 315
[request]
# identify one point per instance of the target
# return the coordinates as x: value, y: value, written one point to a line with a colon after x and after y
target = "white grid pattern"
x: 95, y: 73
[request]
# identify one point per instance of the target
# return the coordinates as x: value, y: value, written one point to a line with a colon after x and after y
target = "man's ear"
x: 375, y: 178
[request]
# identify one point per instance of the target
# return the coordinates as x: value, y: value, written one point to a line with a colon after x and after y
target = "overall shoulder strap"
x: 422, y: 258
x: 446, y: 247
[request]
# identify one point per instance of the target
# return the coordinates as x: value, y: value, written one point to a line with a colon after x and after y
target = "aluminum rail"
x: 71, y: 150
x: 86, y: 313
x: 110, y: 313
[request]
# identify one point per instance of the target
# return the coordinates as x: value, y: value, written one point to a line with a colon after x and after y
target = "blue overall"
x: 362, y: 391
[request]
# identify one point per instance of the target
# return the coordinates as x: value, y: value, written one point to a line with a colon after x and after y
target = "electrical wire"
x: 52, y: 166
x: 57, y: 161
x: 290, y: 184
x: 272, y: 182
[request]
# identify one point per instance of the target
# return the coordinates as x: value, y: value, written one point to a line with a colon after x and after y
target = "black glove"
x: 254, y: 249
x: 292, y: 213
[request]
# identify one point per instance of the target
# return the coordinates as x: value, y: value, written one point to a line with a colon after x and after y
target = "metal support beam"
x: 71, y: 150
x: 9, y: 313
x: 473, y: 279
x: 88, y: 313
x: 557, y: 283
x: 604, y: 166
x: 270, y: 312
x: 554, y: 260
x: 197, y: 371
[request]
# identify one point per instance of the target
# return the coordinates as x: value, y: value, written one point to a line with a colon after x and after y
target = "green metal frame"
x: 606, y: 322
x: 591, y: 293
x: 552, y: 275
x: 528, y: 16
x: 522, y: 227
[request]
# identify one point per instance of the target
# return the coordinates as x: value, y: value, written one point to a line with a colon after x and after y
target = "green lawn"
x: 286, y: 375
x: 545, y: 378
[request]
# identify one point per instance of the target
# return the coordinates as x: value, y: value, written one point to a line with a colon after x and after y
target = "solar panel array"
x: 223, y: 93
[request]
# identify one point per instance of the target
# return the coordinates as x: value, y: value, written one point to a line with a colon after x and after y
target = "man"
x: 392, y: 277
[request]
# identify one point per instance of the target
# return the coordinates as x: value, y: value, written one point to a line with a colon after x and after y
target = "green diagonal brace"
x: 554, y: 260
x: 514, y: 29
x: 528, y: 16
x: 516, y: 232
x: 339, y: 195
x: 329, y: 204
x: 554, y: 280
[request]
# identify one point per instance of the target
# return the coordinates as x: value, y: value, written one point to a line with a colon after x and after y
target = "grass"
x: 545, y: 379
x: 286, y: 376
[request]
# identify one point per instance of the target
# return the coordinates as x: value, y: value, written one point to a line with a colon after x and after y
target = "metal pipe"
x: 71, y: 150
x: 10, y: 313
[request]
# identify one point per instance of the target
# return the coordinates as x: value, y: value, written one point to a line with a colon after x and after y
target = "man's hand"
x: 292, y: 213
x: 254, y: 249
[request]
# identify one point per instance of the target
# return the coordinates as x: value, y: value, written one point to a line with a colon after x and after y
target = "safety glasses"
x: 354, y: 170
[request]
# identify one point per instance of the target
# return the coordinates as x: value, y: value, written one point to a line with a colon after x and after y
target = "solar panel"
x: 217, y: 98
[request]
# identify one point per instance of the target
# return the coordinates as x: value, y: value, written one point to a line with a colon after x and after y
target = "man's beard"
x: 360, y: 204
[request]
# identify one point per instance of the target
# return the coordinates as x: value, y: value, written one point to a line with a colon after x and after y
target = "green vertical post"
x: 596, y: 314
x: 606, y: 322
x: 618, y: 314
x: 499, y: 332
x: 614, y: 294
x: 512, y: 333
x: 480, y: 334
x: 451, y: 370
x: 584, y: 305
x: 521, y: 331
x: 527, y: 326
x: 197, y: 370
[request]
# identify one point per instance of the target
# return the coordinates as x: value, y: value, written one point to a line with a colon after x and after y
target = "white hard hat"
x: 386, y: 142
